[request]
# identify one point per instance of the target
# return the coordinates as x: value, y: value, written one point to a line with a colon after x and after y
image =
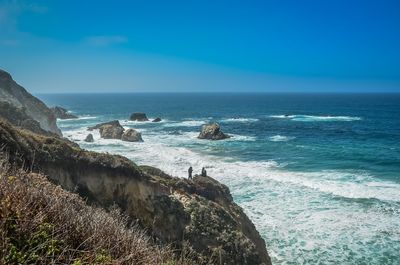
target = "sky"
x: 202, y: 46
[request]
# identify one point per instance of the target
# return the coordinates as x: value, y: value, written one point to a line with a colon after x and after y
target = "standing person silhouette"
x: 190, y: 170
x: 203, y: 172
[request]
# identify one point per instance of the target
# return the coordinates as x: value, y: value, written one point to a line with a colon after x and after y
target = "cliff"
x: 18, y: 97
x: 40, y: 223
x: 197, y: 216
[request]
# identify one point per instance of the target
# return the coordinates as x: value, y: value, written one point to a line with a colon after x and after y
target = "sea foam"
x: 280, y: 138
x: 320, y: 213
x: 313, y: 118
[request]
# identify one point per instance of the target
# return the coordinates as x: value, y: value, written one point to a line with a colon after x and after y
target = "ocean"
x: 318, y: 174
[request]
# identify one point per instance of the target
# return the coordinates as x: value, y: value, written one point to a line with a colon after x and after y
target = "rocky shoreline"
x: 197, y: 215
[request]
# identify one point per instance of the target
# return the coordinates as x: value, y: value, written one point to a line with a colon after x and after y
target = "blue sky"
x: 267, y: 46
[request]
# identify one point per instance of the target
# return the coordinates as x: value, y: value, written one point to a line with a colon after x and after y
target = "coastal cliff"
x: 17, y: 96
x: 198, y: 216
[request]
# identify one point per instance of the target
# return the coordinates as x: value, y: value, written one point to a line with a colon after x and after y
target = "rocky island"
x: 212, y: 131
x: 195, y: 216
x: 62, y: 113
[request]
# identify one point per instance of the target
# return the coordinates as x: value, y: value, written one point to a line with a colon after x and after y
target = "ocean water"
x: 318, y: 174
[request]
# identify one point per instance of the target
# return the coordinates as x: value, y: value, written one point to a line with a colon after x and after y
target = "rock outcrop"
x: 132, y: 135
x: 18, y: 97
x: 111, y: 132
x: 197, y: 215
x: 62, y: 113
x: 157, y: 119
x: 212, y: 132
x: 114, y: 130
x: 96, y: 127
x: 138, y: 116
x: 18, y: 117
x: 89, y: 138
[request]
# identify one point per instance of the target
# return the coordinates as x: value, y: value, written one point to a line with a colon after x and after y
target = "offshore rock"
x: 96, y: 127
x: 157, y: 119
x: 138, y: 116
x: 89, y: 138
x: 62, y: 113
x: 132, y: 135
x: 212, y: 132
x: 111, y: 132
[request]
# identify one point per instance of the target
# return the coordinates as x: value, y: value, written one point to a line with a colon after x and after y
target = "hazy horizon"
x: 224, y: 46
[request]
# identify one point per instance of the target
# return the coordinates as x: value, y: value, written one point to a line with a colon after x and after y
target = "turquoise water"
x: 318, y: 174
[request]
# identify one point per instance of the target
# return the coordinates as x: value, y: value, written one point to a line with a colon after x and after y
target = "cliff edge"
x: 18, y: 97
x: 197, y: 216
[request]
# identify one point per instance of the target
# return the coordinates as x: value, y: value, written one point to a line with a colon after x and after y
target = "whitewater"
x: 322, y: 187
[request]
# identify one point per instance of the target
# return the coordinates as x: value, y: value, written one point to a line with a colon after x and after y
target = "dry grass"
x: 41, y: 223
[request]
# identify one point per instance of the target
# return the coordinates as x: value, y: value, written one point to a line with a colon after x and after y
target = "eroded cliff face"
x: 196, y: 215
x: 18, y: 97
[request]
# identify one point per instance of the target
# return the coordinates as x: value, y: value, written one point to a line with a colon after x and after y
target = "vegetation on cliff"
x: 40, y: 223
x: 196, y: 216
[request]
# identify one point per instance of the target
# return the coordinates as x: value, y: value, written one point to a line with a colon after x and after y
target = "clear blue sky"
x: 271, y: 46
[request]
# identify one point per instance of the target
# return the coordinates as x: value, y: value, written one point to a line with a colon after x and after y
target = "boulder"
x: 138, y: 116
x: 89, y: 138
x: 157, y: 119
x: 212, y: 132
x: 111, y: 132
x: 113, y: 123
x: 62, y: 113
x: 132, y: 135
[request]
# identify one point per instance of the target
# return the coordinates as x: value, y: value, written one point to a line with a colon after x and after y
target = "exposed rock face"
x: 132, y: 135
x: 89, y: 138
x: 157, y: 120
x: 18, y: 117
x: 111, y: 132
x: 212, y: 132
x: 114, y: 130
x: 113, y: 123
x: 62, y: 113
x: 138, y: 116
x: 18, y: 97
x: 199, y: 214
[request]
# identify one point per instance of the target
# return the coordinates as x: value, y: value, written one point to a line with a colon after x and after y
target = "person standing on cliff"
x: 190, y: 170
x: 203, y: 172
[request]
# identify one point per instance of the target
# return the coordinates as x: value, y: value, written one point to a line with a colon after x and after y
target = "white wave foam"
x: 129, y: 122
x: 186, y: 123
x: 242, y: 138
x: 311, y: 118
x: 303, y: 208
x: 280, y: 138
x: 156, y: 145
x: 240, y: 120
x: 79, y: 118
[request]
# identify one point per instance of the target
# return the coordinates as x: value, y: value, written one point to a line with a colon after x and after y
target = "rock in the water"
x: 132, y: 135
x: 111, y: 132
x: 62, y: 113
x: 157, y: 120
x: 89, y: 138
x: 212, y: 132
x: 113, y: 123
x: 138, y: 116
x: 18, y: 97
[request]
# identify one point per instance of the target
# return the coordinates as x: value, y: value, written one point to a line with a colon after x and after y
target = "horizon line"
x: 217, y: 92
